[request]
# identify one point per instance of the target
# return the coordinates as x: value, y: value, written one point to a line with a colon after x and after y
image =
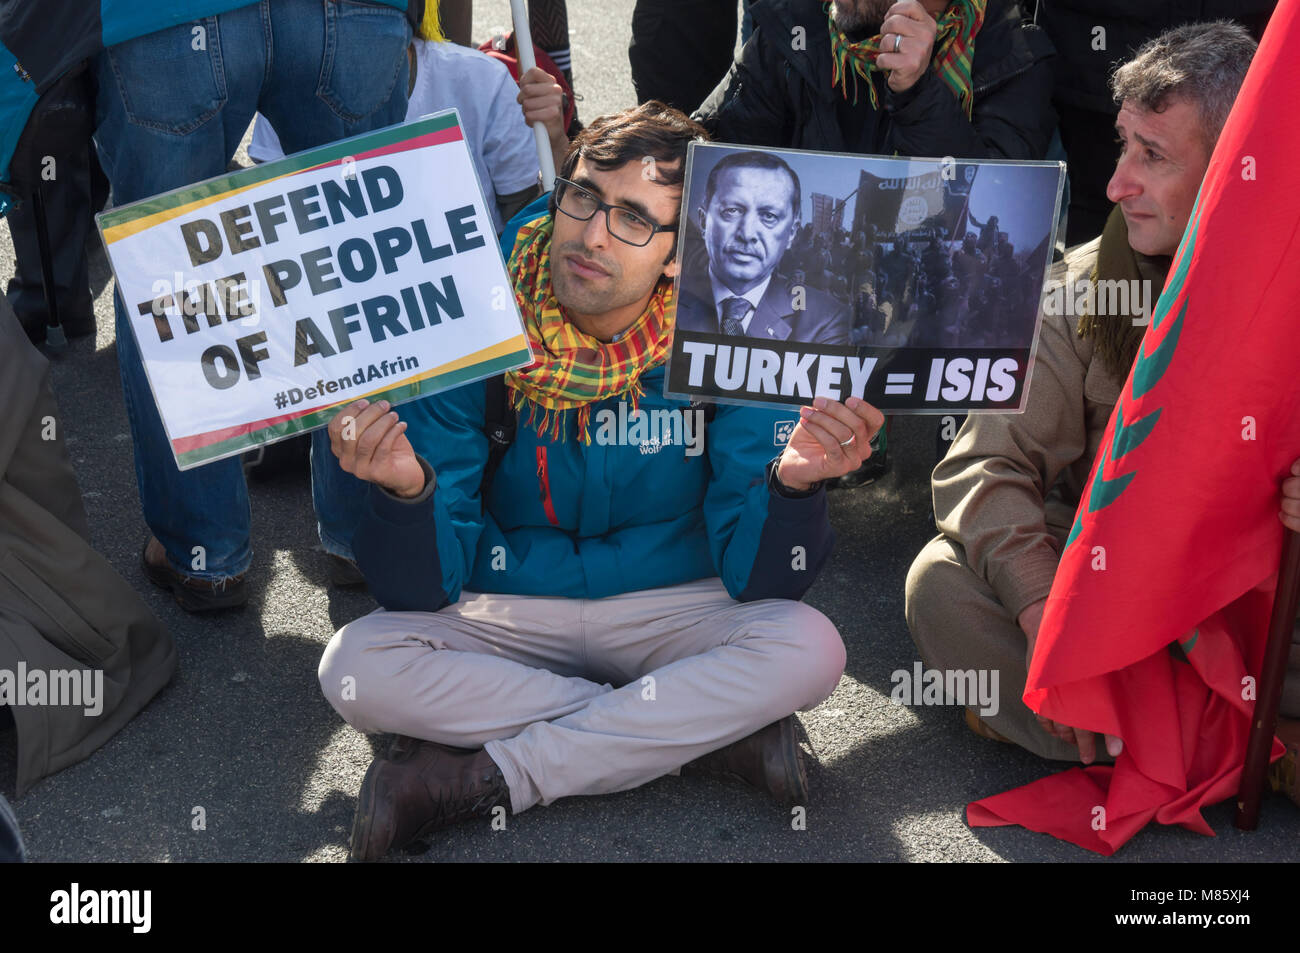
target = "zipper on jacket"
x: 544, y: 482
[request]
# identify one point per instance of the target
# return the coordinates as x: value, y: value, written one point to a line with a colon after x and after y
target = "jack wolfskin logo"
x: 781, y: 436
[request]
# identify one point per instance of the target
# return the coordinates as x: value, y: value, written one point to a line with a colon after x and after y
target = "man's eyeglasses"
x: 623, y: 223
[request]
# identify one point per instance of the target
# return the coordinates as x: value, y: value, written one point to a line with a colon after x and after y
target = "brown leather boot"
x: 420, y: 788
x: 191, y: 593
x: 770, y: 759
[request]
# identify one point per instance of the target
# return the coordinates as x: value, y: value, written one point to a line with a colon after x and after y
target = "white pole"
x: 524, y: 47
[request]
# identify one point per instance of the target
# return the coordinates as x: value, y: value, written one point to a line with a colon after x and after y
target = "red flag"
x: 1155, y: 627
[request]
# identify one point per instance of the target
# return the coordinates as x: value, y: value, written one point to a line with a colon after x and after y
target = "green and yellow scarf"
x: 572, y: 369
x: 954, y: 49
x: 1116, y: 338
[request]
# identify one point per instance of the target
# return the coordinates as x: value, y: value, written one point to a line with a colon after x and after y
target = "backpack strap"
x: 499, y: 423
x: 709, y: 407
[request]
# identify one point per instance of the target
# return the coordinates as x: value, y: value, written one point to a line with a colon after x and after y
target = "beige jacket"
x: 1009, y: 486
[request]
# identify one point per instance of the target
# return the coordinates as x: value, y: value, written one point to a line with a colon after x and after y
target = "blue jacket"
x: 565, y: 518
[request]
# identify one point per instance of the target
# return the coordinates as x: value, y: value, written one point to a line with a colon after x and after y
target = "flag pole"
x: 1271, y: 675
x: 527, y: 60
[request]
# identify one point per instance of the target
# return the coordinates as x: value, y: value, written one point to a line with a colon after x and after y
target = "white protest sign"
x: 264, y: 300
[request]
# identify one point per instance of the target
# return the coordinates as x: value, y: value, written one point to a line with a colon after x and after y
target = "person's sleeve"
x: 18, y: 97
x: 1014, y: 121
x: 765, y: 545
x: 748, y: 104
x: 417, y: 554
x: 509, y: 148
x: 990, y: 490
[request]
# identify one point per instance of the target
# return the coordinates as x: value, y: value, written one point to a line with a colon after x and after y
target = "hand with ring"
x: 832, y: 439
x: 907, y: 44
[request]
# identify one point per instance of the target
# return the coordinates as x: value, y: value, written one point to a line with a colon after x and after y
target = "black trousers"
x: 77, y: 191
x: 681, y: 49
x: 1091, y: 153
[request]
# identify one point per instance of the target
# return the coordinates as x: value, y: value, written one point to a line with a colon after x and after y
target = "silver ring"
x: 898, y: 41
x: 845, y: 443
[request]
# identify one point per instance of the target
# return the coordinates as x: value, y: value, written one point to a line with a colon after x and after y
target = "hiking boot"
x: 420, y: 788
x: 191, y: 593
x: 770, y: 759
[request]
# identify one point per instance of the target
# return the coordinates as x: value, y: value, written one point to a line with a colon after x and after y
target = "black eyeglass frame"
x: 606, y: 207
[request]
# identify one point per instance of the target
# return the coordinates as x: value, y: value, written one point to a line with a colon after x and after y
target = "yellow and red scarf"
x: 954, y: 49
x: 572, y: 369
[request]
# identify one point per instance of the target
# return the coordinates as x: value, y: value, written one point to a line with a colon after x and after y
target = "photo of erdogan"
x: 749, y: 219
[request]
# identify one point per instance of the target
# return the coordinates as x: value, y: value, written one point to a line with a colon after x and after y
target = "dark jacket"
x: 1087, y: 58
x: 822, y: 319
x: 776, y: 95
x: 63, y: 608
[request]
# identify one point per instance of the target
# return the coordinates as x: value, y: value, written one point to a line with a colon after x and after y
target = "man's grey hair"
x: 1204, y: 63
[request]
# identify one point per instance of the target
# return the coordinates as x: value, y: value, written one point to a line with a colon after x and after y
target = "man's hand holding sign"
x: 815, y: 275
x: 264, y: 300
x: 831, y: 439
x: 370, y: 443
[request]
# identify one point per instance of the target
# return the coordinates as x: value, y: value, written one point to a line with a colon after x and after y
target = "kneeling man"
x: 615, y: 594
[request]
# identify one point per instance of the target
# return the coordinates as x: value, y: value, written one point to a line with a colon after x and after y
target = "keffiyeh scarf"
x: 572, y: 369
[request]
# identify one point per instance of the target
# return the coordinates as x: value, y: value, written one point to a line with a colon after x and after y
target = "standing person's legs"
x: 681, y: 49
x: 456, y: 18
x: 1091, y: 150
x: 548, y: 21
x: 172, y: 109
x: 68, y: 211
x: 335, y: 72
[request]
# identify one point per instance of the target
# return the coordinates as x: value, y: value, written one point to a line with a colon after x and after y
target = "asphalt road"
x: 244, y: 732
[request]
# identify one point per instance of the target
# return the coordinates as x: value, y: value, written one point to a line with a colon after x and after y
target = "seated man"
x: 1006, y: 493
x: 751, y: 211
x: 606, y: 600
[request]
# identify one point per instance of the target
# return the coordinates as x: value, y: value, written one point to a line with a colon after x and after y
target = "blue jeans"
x: 172, y: 109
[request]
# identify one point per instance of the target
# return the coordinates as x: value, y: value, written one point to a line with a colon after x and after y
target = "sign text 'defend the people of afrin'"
x: 914, y: 284
x: 264, y: 300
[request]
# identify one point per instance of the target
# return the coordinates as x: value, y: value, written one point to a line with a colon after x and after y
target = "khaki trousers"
x: 584, y: 696
x: 957, y: 622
